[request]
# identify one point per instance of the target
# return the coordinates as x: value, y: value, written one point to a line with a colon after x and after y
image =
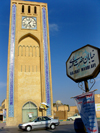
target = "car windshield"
x: 75, y: 115
x: 33, y: 119
x: 37, y: 119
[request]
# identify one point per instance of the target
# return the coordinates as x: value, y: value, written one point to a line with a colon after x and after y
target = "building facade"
x: 29, y: 81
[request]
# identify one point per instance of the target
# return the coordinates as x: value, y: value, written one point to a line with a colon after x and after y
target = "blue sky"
x: 72, y: 24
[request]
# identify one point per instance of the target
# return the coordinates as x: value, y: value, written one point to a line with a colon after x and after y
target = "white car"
x: 40, y: 122
x: 72, y: 118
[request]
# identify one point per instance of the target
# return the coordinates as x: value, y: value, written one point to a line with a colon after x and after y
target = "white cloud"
x: 2, y: 84
x: 53, y: 27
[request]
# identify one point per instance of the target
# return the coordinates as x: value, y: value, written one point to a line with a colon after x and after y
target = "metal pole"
x: 86, y: 86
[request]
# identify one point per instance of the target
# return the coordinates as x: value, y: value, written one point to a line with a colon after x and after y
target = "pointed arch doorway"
x: 29, y: 111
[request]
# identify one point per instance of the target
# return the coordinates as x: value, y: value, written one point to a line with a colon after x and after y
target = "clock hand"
x: 29, y: 22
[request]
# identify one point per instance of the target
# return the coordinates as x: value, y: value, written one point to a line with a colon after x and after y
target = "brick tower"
x: 29, y: 79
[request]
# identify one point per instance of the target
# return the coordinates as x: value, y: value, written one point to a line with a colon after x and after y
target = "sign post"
x: 84, y: 64
x: 86, y: 86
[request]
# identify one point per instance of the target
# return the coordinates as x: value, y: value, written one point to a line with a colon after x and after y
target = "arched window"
x: 22, y: 8
x: 29, y: 105
x: 35, y: 11
x: 29, y: 9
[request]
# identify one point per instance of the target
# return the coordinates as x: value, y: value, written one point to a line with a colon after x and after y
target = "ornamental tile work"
x: 46, y: 62
x: 12, y: 52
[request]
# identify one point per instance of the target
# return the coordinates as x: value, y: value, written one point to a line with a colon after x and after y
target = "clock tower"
x: 29, y: 81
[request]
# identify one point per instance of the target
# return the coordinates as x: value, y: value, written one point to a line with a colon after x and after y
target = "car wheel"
x: 28, y: 128
x: 71, y: 119
x: 52, y: 126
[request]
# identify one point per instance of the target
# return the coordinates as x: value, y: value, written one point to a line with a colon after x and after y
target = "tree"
x: 54, y: 104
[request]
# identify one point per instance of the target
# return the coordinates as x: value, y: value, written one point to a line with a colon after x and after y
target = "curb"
x: 63, y: 120
x: 68, y: 120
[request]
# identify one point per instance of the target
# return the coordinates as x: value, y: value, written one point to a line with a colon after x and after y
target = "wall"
x: 60, y: 108
x: 4, y: 104
x: 97, y: 101
x: 72, y: 111
x: 60, y: 114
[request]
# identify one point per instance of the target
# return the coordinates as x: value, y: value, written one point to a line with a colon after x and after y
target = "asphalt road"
x: 66, y: 128
x: 59, y: 129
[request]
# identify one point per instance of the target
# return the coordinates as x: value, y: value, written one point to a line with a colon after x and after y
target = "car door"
x: 37, y: 123
x: 45, y: 122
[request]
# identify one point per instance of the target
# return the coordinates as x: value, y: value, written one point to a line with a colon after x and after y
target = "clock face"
x: 29, y: 23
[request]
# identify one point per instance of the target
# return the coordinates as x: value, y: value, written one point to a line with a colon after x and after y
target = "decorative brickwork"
x: 31, y: 67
